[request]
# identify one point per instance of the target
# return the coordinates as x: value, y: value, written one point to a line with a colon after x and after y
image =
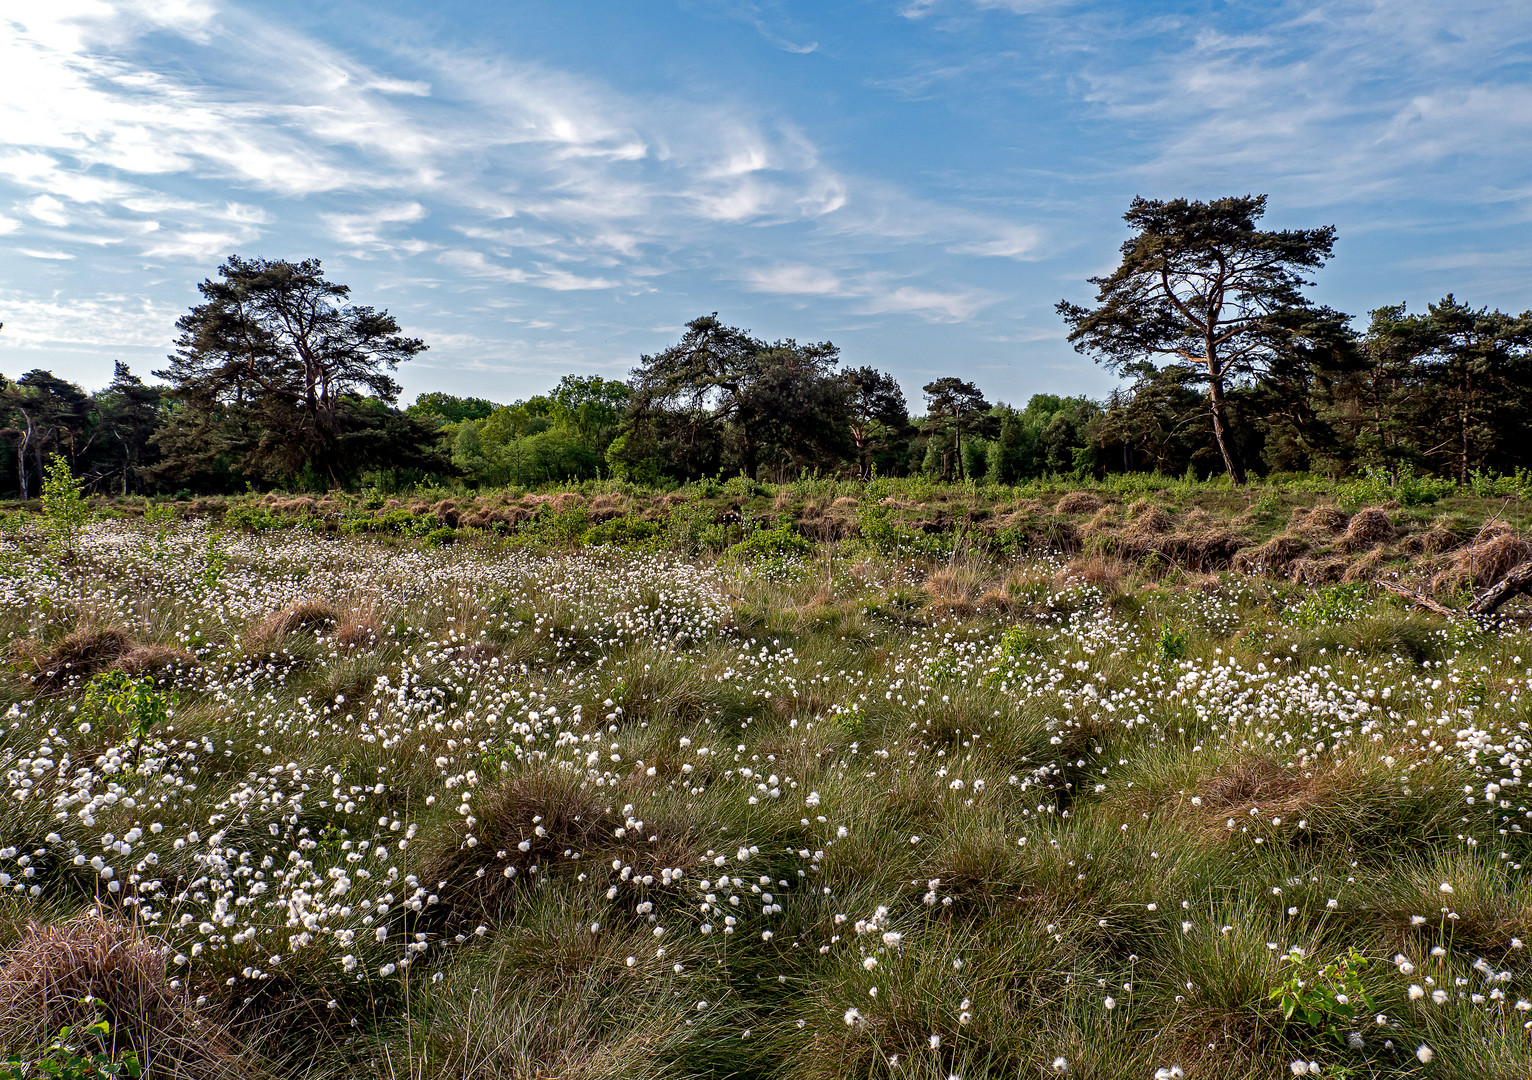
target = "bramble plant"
x: 1326, y: 998
x: 77, y: 1053
x: 65, y: 511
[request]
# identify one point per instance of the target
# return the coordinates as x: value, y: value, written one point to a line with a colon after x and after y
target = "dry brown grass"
x: 1367, y: 567
x: 47, y: 977
x: 305, y: 616
x: 1147, y: 517
x: 955, y: 589
x: 74, y: 657
x: 1272, y: 557
x: 1367, y: 528
x: 1105, y: 572
x: 1443, y: 535
x: 155, y: 660
x: 1079, y: 502
x: 1491, y: 555
x: 1323, y: 520
x: 357, y: 626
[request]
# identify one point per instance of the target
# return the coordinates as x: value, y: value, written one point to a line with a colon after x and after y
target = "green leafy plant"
x: 215, y: 561
x: 65, y: 511
x: 1172, y: 643
x: 122, y: 703
x: 1326, y: 998
x: 1377, y: 485
x: 1328, y: 606
x: 77, y: 1053
x: 780, y: 541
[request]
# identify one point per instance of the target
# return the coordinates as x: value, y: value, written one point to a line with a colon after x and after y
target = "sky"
x: 541, y: 188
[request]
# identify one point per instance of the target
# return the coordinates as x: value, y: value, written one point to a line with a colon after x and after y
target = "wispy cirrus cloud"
x: 873, y: 293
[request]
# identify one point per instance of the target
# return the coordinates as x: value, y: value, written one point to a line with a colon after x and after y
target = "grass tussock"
x: 88, y: 968
x: 1491, y: 555
x: 306, y: 617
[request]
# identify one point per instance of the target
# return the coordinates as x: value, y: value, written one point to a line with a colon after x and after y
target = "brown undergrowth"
x: 83, y: 653
x: 74, y: 972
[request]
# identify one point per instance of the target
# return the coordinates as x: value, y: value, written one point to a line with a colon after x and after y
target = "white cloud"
x: 105, y: 321
x: 870, y: 293
x: 795, y: 278
x: 367, y: 229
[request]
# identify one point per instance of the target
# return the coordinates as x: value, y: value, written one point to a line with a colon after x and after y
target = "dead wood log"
x: 1519, y: 580
x: 1420, y: 600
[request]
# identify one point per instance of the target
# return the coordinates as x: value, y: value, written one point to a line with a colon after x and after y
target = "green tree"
x: 449, y: 408
x: 128, y: 413
x: 952, y: 406
x: 278, y: 357
x: 720, y: 395
x: 876, y: 411
x: 65, y: 511
x: 1199, y: 283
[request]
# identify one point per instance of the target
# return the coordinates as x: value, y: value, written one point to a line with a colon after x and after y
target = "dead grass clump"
x: 844, y: 501
x: 357, y: 628
x: 1494, y: 552
x: 564, y: 500
x: 306, y: 616
x: 1367, y: 528
x: 1318, y: 571
x: 1250, y: 782
x: 1102, y: 523
x: 955, y: 589
x: 75, y: 657
x: 1149, y: 518
x: 1079, y: 502
x: 1367, y: 567
x: 155, y: 660
x: 1272, y: 557
x: 1444, y: 534
x: 1105, y: 572
x: 47, y: 977
x: 532, y: 826
x: 1322, y: 520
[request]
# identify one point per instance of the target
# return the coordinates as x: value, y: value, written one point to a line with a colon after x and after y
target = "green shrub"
x: 125, y: 705
x: 1171, y: 644
x: 780, y: 541
x: 75, y: 1054
x: 1328, y: 999
x: 626, y: 531
x: 1407, y: 489
x: 65, y: 511
x: 253, y: 518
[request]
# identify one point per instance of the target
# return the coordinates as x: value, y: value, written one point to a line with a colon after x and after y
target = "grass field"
x: 854, y: 802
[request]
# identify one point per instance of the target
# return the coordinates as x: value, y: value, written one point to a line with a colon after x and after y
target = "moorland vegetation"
x: 826, y: 780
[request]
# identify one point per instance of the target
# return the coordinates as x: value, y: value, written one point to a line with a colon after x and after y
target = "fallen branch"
x: 1420, y: 600
x: 1517, y: 581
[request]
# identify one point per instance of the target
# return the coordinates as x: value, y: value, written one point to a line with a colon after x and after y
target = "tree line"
x: 279, y: 380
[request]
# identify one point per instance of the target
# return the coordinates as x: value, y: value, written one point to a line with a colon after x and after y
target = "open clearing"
x: 357, y: 806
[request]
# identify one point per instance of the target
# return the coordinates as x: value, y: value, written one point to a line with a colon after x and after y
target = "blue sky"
x: 539, y: 188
